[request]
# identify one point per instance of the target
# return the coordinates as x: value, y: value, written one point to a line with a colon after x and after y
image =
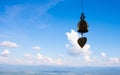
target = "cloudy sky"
x: 43, y: 32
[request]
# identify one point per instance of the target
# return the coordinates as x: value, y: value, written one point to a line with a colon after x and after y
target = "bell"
x: 82, y: 25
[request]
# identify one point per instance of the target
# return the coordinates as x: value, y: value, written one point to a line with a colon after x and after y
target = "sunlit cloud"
x: 28, y: 55
x: 85, y: 52
x: 9, y: 44
x: 114, y: 60
x: 48, y: 60
x: 103, y: 54
x: 74, y: 49
x: 36, y: 48
x: 3, y: 59
x: 37, y: 59
x: 5, y: 53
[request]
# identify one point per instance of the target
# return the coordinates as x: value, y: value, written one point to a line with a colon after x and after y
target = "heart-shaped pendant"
x: 82, y: 41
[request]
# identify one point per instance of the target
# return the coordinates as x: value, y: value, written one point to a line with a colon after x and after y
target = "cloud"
x: 36, y: 48
x: 87, y: 58
x: 28, y: 55
x: 37, y: 59
x: 48, y: 60
x: 74, y: 49
x: 9, y: 44
x: 5, y: 53
x: 72, y: 38
x: 103, y: 54
x: 3, y: 59
x: 4, y: 56
x: 114, y: 60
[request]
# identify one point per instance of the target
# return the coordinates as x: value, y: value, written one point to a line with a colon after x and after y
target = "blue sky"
x: 43, y: 32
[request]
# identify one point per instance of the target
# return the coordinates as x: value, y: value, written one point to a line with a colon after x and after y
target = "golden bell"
x: 82, y: 25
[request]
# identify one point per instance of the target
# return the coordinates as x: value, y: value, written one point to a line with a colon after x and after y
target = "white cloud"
x: 72, y: 38
x: 74, y: 49
x: 18, y: 61
x: 39, y: 56
x: 87, y: 58
x: 38, y: 59
x: 36, y: 48
x: 5, y: 53
x: 9, y: 44
x: 4, y: 56
x: 47, y: 60
x: 114, y: 60
x: 103, y: 54
x: 3, y: 59
x: 28, y: 55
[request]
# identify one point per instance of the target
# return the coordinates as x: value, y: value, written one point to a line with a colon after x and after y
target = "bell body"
x: 82, y: 26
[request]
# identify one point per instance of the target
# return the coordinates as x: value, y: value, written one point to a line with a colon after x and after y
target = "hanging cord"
x: 82, y: 6
x: 81, y: 34
x: 82, y: 14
